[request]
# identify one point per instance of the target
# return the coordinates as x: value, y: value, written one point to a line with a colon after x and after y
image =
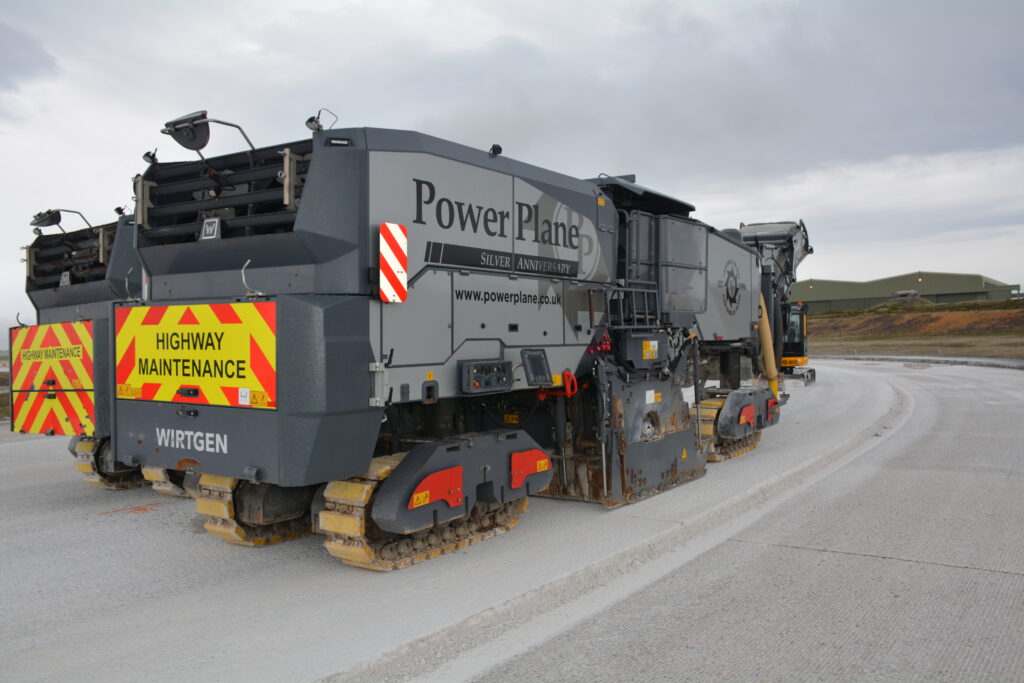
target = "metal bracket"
x: 290, y: 177
x: 249, y: 291
x: 379, y: 378
x: 102, y: 238
x: 142, y: 201
x: 127, y: 292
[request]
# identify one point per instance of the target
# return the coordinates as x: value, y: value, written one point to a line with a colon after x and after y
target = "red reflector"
x: 747, y: 416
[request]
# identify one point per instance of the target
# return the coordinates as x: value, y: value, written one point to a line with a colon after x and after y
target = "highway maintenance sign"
x: 210, y: 354
x: 52, y: 379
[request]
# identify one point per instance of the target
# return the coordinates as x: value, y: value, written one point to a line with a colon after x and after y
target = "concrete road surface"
x: 905, y: 563
x: 874, y: 534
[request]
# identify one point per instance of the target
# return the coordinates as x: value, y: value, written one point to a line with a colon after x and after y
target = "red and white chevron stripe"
x: 394, y: 262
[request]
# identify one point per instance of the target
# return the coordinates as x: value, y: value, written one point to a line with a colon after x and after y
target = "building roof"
x: 924, y: 282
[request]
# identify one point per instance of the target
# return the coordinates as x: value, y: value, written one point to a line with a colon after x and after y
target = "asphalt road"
x: 876, y: 527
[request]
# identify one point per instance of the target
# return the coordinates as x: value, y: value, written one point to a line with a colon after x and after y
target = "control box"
x: 645, y: 350
x: 485, y: 376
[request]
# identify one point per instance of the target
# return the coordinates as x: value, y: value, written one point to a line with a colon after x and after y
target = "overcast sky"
x: 895, y: 129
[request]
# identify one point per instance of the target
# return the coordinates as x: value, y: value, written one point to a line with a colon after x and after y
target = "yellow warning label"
x: 684, y: 456
x: 511, y: 419
x: 421, y: 499
x: 430, y: 375
x: 556, y: 380
x: 543, y: 465
x: 212, y: 354
x: 650, y: 350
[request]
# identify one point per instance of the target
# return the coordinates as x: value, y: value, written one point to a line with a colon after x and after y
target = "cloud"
x: 959, y: 211
x: 953, y: 252
x: 22, y: 58
x: 909, y: 196
x: 873, y: 120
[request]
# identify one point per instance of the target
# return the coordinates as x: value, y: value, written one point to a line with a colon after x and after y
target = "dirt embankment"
x: 918, y: 323
x: 997, y: 333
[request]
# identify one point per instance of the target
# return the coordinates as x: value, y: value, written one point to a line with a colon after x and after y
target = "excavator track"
x: 353, y: 538
x: 216, y: 502
x: 87, y: 454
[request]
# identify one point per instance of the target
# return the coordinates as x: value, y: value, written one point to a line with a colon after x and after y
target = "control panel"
x: 485, y: 376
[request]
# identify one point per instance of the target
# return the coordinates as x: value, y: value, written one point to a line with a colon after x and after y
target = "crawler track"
x: 88, y: 455
x: 345, y: 520
x: 168, y: 482
x: 216, y: 501
x: 724, y: 449
x: 353, y: 538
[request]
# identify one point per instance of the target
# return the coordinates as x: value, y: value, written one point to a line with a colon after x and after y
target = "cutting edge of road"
x: 477, y: 640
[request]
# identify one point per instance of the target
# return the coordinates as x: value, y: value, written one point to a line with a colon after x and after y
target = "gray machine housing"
x: 614, y: 283
x: 97, y: 265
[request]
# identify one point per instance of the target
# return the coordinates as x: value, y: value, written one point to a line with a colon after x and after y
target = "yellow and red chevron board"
x: 52, y: 379
x: 394, y: 262
x: 210, y: 354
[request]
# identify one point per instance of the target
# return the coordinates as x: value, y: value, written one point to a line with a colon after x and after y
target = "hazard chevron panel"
x: 394, y: 262
x: 53, y: 412
x: 52, y: 357
x: 209, y: 354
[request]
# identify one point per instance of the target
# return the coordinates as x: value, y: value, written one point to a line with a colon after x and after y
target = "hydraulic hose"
x: 764, y: 331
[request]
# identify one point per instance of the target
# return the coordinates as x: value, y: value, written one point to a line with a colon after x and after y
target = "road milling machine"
x: 783, y: 246
x: 393, y: 340
x: 61, y: 375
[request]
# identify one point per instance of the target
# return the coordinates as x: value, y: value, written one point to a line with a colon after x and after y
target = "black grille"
x: 82, y: 254
x: 253, y: 193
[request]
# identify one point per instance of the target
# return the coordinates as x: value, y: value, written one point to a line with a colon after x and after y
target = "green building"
x: 842, y: 295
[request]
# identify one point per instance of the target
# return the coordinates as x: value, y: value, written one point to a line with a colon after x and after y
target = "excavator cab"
x: 794, y: 345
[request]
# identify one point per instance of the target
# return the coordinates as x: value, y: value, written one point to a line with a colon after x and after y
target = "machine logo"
x: 187, y: 439
x: 211, y: 229
x: 732, y: 286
